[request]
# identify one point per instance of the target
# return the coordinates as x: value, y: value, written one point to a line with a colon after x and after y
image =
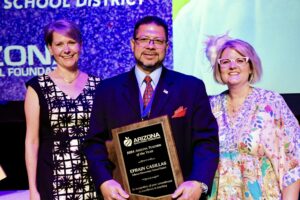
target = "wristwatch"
x: 204, y: 187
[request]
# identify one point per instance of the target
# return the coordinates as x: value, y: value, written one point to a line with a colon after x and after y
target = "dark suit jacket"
x: 196, y: 134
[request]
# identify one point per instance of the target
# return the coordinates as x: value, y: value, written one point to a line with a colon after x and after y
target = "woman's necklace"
x: 233, y: 111
x: 234, y: 108
x: 70, y: 80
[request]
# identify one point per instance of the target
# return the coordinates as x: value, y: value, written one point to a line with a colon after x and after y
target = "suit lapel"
x: 163, y: 92
x: 131, y: 92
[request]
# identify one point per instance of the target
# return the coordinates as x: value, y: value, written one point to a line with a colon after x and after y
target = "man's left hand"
x: 188, y: 190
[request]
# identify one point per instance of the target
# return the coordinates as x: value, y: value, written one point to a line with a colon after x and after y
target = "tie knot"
x: 148, y: 79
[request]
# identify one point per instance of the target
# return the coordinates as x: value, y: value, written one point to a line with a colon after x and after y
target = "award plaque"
x: 147, y: 159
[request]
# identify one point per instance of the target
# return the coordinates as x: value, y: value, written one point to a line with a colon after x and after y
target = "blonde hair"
x: 245, y: 49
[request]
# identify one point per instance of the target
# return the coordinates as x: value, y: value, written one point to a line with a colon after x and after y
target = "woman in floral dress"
x: 259, y: 135
x: 58, y: 107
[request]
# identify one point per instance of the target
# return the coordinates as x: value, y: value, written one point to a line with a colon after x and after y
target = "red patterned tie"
x: 148, y: 91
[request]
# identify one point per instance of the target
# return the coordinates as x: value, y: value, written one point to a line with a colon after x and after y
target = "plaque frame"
x: 171, y: 153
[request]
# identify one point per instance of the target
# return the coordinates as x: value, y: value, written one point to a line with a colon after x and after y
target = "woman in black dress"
x: 57, y: 108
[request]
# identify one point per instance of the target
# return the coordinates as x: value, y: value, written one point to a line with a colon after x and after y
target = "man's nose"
x: 151, y: 44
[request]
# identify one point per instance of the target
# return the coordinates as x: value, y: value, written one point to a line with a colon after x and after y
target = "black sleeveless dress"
x: 62, y: 171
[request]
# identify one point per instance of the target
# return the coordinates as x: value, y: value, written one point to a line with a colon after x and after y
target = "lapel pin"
x: 166, y: 91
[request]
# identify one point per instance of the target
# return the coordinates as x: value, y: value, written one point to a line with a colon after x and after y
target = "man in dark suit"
x: 120, y: 101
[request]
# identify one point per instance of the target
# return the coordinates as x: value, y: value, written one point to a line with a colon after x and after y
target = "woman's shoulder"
x: 218, y: 97
x: 216, y: 101
x: 267, y: 95
x: 269, y: 100
x: 92, y: 79
x: 35, y: 80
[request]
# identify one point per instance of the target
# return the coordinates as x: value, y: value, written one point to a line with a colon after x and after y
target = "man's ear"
x: 132, y: 44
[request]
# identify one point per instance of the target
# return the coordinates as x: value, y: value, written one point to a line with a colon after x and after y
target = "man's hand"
x: 189, y: 190
x: 112, y: 190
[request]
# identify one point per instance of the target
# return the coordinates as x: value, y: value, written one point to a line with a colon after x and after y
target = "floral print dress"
x: 259, y: 148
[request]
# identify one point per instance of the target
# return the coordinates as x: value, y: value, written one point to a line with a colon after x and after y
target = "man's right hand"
x: 112, y: 190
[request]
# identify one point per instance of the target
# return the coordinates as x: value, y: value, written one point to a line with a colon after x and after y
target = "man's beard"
x: 149, y: 67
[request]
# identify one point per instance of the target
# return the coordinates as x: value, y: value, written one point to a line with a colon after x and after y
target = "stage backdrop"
x: 272, y: 27
x: 106, y: 25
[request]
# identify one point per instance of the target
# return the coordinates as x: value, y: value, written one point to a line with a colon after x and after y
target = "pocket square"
x: 180, y: 112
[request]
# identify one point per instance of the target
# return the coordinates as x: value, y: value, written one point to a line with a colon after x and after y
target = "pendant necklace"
x: 69, y: 81
x: 234, y: 110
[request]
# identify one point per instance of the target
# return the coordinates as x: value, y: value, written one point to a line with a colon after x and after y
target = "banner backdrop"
x: 106, y: 26
x: 272, y: 27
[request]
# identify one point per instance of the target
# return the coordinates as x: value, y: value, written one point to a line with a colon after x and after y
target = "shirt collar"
x: 140, y: 75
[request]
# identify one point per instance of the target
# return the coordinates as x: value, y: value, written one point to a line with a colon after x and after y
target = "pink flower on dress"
x: 268, y: 108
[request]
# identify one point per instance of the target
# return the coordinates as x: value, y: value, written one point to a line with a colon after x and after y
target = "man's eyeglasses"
x: 226, y: 62
x: 143, y: 42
